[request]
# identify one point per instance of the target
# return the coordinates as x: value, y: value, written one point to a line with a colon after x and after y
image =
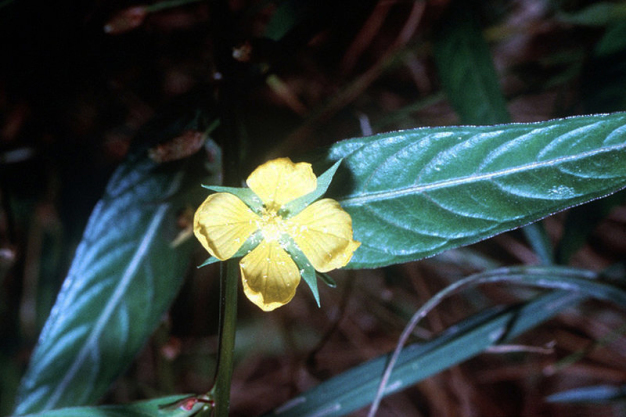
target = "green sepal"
x: 328, y: 280
x: 307, y: 271
x: 323, y: 182
x: 244, y: 194
x: 210, y: 260
x: 251, y: 243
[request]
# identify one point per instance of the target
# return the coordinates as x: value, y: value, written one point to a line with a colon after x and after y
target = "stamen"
x: 271, y: 224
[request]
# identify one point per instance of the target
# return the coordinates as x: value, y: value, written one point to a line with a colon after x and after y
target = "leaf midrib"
x: 376, y: 196
x: 113, y: 301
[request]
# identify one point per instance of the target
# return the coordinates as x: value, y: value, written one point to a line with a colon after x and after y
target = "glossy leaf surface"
x: 416, y: 193
x: 124, y: 276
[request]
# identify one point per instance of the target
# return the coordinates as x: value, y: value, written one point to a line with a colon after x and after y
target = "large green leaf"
x: 124, y: 276
x: 415, y: 193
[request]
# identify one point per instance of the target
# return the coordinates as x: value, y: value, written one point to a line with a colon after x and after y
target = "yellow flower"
x: 269, y: 218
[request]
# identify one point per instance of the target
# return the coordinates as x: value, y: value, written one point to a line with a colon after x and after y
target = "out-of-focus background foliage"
x: 73, y: 96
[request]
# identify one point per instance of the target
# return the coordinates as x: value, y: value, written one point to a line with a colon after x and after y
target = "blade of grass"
x: 540, y: 242
x: 566, y: 279
x: 595, y: 394
x: 356, y: 387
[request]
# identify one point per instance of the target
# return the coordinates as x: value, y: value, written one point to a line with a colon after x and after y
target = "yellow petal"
x: 323, y: 231
x: 279, y: 181
x: 270, y: 277
x: 223, y: 223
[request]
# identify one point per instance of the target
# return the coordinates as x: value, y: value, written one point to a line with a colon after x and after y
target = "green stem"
x: 223, y: 25
x: 228, y: 320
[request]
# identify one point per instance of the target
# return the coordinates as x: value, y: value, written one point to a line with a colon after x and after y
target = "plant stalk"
x: 228, y: 320
x: 224, y: 26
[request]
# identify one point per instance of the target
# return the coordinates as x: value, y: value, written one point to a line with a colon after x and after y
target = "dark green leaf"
x: 412, y: 194
x: 123, y: 278
x: 466, y: 69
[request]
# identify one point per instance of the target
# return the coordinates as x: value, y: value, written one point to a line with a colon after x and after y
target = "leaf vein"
x: 109, y: 308
x: 374, y: 196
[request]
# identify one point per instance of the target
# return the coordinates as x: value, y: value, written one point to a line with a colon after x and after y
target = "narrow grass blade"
x: 357, y: 387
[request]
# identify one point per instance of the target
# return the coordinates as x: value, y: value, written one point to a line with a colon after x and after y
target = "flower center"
x: 272, y: 225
